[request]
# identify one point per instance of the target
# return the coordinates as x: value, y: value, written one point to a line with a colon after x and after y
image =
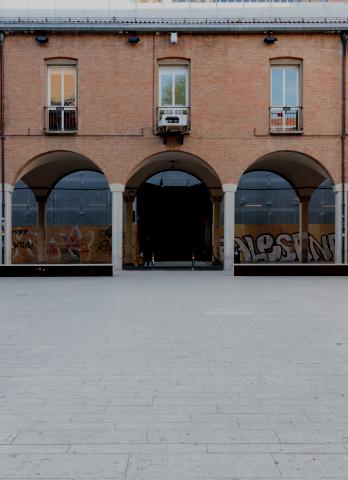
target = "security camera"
x: 270, y: 40
x: 42, y: 39
x: 173, y: 38
x: 133, y: 39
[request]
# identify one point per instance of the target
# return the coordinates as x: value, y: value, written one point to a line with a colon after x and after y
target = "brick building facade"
x: 259, y: 92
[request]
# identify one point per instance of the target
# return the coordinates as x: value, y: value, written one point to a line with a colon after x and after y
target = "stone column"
x: 229, y: 190
x: 41, y: 229
x: 304, y: 227
x: 338, y: 223
x: 117, y: 190
x: 129, y: 200
x: 217, y: 198
x: 7, y: 218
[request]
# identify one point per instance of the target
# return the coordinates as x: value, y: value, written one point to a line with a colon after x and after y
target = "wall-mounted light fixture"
x: 270, y: 39
x: 133, y: 39
x: 173, y: 38
x: 42, y: 39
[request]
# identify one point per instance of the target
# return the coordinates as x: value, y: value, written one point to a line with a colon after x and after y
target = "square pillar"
x: 338, y: 190
x: 117, y: 190
x: 6, y: 220
x: 229, y: 190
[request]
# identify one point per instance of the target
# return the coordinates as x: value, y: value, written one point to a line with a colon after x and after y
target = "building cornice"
x: 221, y: 24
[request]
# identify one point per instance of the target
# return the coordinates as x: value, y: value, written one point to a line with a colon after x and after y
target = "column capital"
x: 40, y: 192
x: 8, y: 188
x: 129, y: 195
x: 305, y: 198
x: 41, y: 198
x: 229, y: 187
x: 216, y: 192
x: 305, y: 194
x: 338, y: 187
x: 117, y: 187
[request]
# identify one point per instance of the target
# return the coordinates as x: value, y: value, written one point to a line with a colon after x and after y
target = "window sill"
x: 286, y: 134
x: 60, y: 132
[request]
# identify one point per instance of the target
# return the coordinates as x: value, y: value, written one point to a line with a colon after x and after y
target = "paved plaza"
x: 173, y: 375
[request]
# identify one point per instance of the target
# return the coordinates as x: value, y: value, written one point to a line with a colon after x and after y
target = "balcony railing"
x: 173, y: 121
x: 173, y: 118
x: 285, y: 119
x: 60, y: 119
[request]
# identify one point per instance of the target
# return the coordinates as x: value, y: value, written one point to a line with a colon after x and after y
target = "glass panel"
x: 180, y: 89
x: 277, y: 87
x: 54, y: 120
x: 173, y: 178
x: 70, y: 119
x: 291, y: 87
x: 55, y: 88
x: 166, y: 88
x: 69, y: 87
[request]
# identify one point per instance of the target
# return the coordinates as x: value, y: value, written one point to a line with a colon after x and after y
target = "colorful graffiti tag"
x: 267, y: 243
x: 284, y: 248
x: 93, y: 244
x: 69, y: 244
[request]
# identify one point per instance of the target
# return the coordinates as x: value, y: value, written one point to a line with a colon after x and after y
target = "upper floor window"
x: 173, y: 86
x: 61, y: 98
x: 286, y: 109
x: 173, y: 110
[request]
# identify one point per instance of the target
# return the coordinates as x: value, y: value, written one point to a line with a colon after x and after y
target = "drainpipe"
x: 2, y: 136
x: 343, y: 142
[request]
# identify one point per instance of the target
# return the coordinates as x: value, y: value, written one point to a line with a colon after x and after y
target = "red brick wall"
x: 117, y: 97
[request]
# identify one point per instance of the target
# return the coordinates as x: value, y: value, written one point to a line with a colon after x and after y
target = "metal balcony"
x: 173, y: 121
x: 60, y: 119
x: 285, y: 120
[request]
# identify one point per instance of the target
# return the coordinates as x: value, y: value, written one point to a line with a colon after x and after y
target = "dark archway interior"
x: 174, y: 213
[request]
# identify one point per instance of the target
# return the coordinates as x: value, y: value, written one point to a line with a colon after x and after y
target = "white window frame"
x: 62, y: 69
x: 172, y: 68
x: 284, y: 67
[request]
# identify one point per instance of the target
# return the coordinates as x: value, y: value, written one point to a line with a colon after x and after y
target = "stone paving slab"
x: 174, y: 375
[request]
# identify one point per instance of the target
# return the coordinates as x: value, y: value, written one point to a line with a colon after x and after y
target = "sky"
x: 64, y: 4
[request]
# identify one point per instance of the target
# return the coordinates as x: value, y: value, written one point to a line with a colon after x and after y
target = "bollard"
x: 236, y: 255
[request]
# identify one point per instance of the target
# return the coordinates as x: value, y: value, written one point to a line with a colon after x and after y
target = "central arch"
x: 173, y: 210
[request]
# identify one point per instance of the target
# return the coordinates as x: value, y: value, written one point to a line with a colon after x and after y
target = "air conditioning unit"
x: 173, y: 121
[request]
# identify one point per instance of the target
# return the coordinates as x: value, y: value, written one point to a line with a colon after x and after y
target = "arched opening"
x: 61, y: 212
x: 285, y: 211
x: 174, y: 218
x: 172, y: 211
x: 267, y: 218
